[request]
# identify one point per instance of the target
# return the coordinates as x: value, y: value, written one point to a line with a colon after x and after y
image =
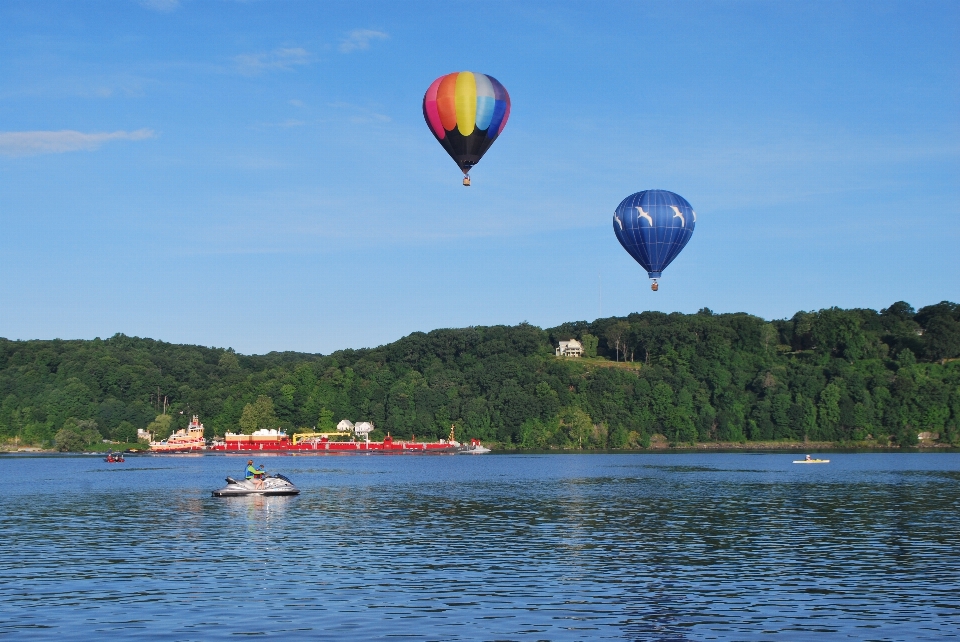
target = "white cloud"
x: 284, y: 58
x: 160, y: 5
x: 49, y: 142
x: 359, y: 39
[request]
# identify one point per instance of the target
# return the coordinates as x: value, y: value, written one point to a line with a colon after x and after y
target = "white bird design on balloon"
x: 619, y: 222
x: 642, y: 214
x: 678, y: 214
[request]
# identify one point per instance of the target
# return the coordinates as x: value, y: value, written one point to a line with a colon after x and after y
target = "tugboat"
x: 189, y: 439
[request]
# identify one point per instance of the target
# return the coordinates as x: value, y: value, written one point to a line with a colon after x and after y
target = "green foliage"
x: 831, y: 375
x: 76, y: 436
x: 161, y: 427
x: 229, y: 362
x: 590, y: 344
x: 259, y: 415
x: 576, y: 426
x: 125, y: 433
x: 325, y: 422
x: 617, y: 335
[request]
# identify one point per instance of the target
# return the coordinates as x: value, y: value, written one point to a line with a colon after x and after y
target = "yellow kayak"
x: 811, y: 461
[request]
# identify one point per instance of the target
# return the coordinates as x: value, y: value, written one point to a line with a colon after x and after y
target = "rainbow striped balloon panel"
x: 466, y: 111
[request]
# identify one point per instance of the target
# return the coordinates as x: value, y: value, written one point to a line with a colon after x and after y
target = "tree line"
x: 835, y: 375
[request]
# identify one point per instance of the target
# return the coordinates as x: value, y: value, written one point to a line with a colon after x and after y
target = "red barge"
x: 339, y: 442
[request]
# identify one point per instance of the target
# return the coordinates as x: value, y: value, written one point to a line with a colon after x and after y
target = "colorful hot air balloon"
x: 654, y: 226
x: 466, y: 112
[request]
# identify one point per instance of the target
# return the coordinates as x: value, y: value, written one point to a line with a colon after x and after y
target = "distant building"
x: 571, y: 348
x: 345, y: 426
x: 144, y: 435
x: 363, y: 428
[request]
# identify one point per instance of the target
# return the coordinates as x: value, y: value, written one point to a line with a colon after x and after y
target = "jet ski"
x: 275, y: 484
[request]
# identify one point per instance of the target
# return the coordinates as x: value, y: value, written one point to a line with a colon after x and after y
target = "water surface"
x: 666, y: 546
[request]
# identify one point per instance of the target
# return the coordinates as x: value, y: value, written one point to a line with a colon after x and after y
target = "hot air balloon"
x: 466, y: 112
x: 653, y: 226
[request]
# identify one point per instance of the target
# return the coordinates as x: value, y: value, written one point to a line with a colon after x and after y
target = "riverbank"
x: 658, y: 443
x: 661, y: 443
x: 100, y: 449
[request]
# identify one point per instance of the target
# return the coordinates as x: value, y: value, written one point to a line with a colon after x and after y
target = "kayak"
x: 811, y: 461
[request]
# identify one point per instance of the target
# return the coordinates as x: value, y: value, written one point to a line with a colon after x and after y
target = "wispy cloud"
x: 49, y: 142
x: 79, y: 85
x: 362, y: 115
x: 359, y: 39
x: 160, y: 5
x: 283, y: 58
x: 290, y: 122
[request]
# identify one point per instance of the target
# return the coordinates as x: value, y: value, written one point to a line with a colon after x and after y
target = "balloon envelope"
x: 654, y: 226
x: 466, y: 111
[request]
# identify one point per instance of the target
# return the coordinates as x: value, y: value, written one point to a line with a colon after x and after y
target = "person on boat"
x: 808, y: 457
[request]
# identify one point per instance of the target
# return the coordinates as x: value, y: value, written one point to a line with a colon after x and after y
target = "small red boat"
x: 114, y: 458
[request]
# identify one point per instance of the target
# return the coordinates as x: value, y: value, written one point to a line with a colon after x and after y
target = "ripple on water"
x: 642, y: 547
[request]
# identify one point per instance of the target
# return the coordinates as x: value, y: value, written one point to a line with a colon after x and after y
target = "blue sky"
x: 259, y: 175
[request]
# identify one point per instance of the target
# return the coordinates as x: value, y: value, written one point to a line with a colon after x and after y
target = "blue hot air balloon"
x: 653, y: 226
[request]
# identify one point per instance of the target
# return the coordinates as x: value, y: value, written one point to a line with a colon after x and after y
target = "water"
x: 496, y: 547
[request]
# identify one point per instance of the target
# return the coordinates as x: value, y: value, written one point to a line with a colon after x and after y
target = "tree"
x: 77, y: 435
x: 806, y: 417
x: 680, y: 426
x: 837, y: 332
x: 577, y: 425
x: 944, y: 309
x: 768, y: 336
x: 534, y: 434
x: 125, y: 433
x: 829, y: 411
x: 941, y: 338
x: 325, y: 421
x: 901, y: 310
x: 590, y: 343
x: 229, y: 361
x: 69, y: 441
x: 615, y: 334
x: 161, y: 427
x: 258, y: 416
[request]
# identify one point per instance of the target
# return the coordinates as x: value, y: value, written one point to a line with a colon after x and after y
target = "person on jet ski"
x: 255, y: 474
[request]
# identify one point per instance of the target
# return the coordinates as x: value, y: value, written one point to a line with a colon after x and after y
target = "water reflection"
x: 637, y: 547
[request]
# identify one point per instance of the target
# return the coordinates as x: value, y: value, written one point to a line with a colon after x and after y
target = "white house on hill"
x: 571, y: 348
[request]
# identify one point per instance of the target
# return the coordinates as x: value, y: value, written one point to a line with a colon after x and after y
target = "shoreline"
x: 656, y: 446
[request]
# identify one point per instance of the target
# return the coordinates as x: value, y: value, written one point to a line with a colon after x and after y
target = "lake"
x: 646, y: 546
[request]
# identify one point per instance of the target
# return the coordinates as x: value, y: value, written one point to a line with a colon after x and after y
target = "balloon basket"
x: 466, y: 181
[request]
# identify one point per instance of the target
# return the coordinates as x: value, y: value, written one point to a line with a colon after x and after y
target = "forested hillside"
x: 831, y: 375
